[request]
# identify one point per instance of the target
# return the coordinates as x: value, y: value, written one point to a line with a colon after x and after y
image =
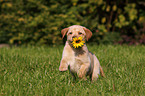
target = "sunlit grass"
x: 34, y: 71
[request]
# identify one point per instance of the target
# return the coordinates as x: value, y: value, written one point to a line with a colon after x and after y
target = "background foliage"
x: 40, y: 21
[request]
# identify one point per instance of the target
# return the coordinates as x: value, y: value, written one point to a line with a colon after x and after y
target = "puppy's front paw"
x: 63, y: 68
x: 63, y: 65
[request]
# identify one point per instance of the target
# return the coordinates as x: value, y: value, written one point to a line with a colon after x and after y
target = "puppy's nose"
x: 74, y: 36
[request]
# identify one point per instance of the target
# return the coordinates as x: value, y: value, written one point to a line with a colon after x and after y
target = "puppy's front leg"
x: 83, y: 70
x: 63, y: 65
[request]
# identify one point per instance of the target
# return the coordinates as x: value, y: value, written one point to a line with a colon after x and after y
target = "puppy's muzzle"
x: 74, y: 37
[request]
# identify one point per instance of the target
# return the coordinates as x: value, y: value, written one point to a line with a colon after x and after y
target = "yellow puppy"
x: 81, y: 61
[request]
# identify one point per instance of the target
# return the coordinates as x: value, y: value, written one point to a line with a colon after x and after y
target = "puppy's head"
x: 76, y: 31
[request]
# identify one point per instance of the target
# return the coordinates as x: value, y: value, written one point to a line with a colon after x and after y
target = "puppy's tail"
x: 102, y: 72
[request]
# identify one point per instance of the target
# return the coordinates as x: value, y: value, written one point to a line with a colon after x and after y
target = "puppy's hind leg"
x: 102, y: 72
x: 96, y: 69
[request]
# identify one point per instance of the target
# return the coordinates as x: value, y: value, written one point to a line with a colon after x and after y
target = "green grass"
x: 34, y: 71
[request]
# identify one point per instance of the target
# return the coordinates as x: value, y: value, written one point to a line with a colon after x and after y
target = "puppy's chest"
x: 76, y: 63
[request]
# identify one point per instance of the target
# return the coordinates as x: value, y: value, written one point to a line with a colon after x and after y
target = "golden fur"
x: 81, y: 61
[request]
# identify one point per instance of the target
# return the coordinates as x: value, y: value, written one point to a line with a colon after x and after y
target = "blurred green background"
x: 39, y: 22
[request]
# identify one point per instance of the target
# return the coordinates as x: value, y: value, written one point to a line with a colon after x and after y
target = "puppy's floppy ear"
x: 63, y: 32
x: 88, y: 33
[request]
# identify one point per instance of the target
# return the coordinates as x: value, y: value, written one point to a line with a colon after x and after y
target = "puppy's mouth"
x: 78, y: 41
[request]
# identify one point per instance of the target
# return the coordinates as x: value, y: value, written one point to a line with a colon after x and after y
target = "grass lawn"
x: 33, y: 71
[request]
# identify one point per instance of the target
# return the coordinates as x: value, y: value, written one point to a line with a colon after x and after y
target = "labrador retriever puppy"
x: 80, y: 61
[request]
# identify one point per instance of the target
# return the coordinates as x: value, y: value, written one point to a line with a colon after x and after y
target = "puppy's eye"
x: 70, y: 33
x: 80, y: 33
